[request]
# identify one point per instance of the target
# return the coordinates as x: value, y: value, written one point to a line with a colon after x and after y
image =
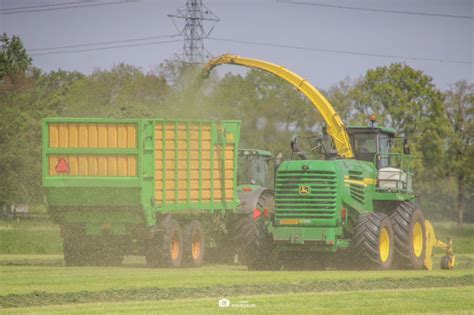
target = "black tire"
x: 194, y: 244
x: 254, y: 243
x: 166, y: 248
x: 410, y: 236
x: 373, y: 241
x: 447, y: 262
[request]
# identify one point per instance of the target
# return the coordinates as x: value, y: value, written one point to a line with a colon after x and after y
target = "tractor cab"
x: 254, y: 168
x: 377, y: 145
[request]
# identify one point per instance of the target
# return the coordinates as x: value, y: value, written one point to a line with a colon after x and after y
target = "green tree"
x: 407, y: 100
x: 460, y: 112
x: 14, y: 61
x: 124, y: 91
x: 21, y: 111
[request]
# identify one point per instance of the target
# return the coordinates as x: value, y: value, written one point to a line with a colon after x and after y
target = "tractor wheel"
x: 410, y: 236
x: 194, y: 244
x: 373, y: 241
x: 255, y: 244
x: 166, y: 248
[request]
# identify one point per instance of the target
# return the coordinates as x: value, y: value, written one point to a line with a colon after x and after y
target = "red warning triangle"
x: 62, y: 166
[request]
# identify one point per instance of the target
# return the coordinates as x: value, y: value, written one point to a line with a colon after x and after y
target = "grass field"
x: 33, y: 279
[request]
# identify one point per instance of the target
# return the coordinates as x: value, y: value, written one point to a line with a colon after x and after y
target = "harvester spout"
x: 336, y: 129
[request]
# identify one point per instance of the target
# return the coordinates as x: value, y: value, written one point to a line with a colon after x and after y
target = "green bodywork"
x: 317, y: 202
x: 119, y: 204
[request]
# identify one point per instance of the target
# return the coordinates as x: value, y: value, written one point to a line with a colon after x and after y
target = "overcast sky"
x: 448, y: 41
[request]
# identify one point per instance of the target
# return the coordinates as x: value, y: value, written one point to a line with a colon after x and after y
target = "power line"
x: 2, y: 12
x: 104, y: 48
x: 103, y: 43
x: 41, y: 6
x: 336, y: 51
x: 381, y: 10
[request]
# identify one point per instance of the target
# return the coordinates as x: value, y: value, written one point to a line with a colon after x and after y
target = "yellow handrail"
x: 335, y: 126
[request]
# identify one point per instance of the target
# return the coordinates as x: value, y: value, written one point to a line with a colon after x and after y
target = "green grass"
x: 426, y: 300
x: 28, y: 236
x: 55, y: 278
x: 29, y: 279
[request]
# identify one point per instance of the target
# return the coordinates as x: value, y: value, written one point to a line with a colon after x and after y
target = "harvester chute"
x: 335, y: 130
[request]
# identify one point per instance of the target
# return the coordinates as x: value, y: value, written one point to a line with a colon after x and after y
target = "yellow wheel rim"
x: 417, y: 239
x: 384, y: 245
x: 175, y: 247
x: 196, y: 246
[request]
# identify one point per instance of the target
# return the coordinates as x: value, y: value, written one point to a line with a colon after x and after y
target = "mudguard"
x: 248, y: 200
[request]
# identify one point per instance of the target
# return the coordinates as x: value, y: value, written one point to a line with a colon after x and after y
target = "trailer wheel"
x: 373, y: 241
x: 166, y: 248
x: 194, y: 244
x: 410, y: 236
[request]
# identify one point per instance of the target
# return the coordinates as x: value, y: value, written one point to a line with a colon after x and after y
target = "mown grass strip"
x: 400, y: 301
x: 153, y: 294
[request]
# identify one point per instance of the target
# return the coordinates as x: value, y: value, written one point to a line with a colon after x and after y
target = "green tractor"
x: 240, y: 235
x: 345, y: 193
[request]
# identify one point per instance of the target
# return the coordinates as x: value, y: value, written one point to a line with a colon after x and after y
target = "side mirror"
x: 406, y: 146
x: 292, y: 145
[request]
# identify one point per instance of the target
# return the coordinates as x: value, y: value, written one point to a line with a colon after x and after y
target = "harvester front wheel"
x: 194, y: 244
x: 373, y: 241
x: 410, y: 236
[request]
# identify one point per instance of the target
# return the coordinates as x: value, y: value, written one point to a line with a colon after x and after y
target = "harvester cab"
x: 377, y: 145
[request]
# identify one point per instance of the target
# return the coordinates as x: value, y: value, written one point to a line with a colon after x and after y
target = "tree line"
x: 438, y: 123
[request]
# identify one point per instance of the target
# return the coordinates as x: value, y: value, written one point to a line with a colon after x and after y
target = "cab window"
x: 365, y: 146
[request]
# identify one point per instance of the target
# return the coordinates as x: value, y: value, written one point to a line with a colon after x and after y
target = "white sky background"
x: 266, y: 21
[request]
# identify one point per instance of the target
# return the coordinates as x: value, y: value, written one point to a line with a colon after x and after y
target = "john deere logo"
x: 303, y: 190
